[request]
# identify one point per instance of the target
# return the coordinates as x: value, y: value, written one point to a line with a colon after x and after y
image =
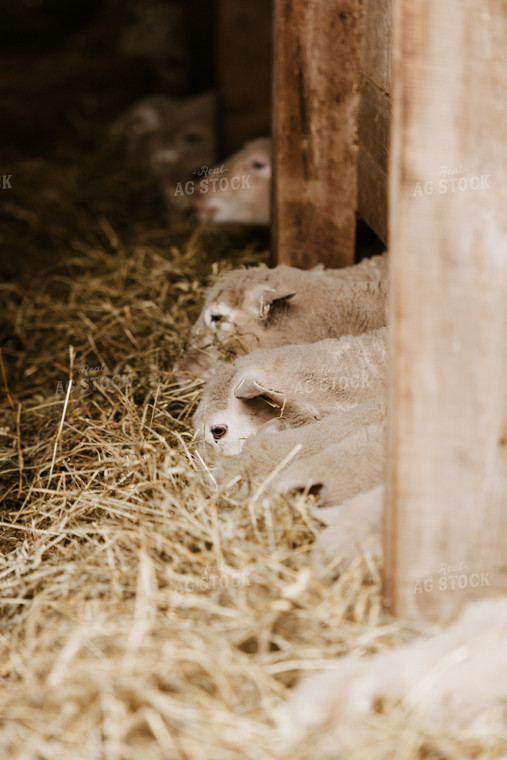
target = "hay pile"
x: 144, y: 615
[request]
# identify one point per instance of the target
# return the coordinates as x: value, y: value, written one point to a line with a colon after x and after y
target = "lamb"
x: 170, y: 138
x: 341, y: 470
x: 276, y: 442
x: 301, y: 383
x: 444, y: 681
x: 267, y: 308
x: 239, y: 190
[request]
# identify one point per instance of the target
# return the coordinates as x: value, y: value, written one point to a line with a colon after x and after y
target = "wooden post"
x: 244, y: 71
x: 446, y: 510
x: 315, y: 105
x: 375, y: 115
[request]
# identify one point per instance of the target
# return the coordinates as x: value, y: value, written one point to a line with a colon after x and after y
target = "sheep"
x: 301, y: 383
x: 353, y: 527
x: 275, y: 442
x: 239, y: 189
x: 341, y: 470
x: 445, y: 681
x: 169, y: 137
x: 267, y: 308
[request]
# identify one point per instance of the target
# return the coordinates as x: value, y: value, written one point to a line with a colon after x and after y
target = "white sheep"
x: 170, y: 138
x: 301, y: 383
x: 266, y: 308
x: 444, y: 681
x: 239, y: 189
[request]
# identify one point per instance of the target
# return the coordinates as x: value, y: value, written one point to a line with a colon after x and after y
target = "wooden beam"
x: 446, y: 510
x: 244, y: 71
x: 374, y: 136
x: 376, y: 43
x: 315, y: 99
x: 375, y: 115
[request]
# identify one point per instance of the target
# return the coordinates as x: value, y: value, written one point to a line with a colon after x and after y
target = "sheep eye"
x: 216, y: 317
x: 218, y: 431
x: 258, y: 165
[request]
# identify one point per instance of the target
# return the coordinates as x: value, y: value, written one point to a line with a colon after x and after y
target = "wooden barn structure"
x: 397, y: 113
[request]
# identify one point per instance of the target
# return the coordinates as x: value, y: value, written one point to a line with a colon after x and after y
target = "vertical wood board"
x: 376, y: 43
x: 315, y: 98
x: 374, y: 136
x: 446, y: 506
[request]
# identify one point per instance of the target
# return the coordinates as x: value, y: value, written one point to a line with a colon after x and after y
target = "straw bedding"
x: 144, y: 614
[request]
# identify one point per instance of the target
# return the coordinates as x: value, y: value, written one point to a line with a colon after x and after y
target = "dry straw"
x: 144, y: 614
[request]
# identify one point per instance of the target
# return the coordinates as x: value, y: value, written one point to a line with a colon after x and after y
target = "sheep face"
x: 223, y: 432
x: 237, y: 404
x: 169, y: 138
x: 237, y: 312
x: 240, y: 191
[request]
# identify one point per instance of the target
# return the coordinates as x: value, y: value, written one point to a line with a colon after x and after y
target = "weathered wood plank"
x: 244, y: 71
x: 376, y: 43
x: 446, y: 510
x: 315, y: 97
x: 374, y: 135
x: 374, y: 114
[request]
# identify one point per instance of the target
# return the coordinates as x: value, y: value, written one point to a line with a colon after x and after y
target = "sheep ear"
x: 270, y: 298
x: 250, y: 387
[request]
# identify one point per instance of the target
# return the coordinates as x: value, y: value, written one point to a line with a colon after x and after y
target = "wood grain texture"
x: 315, y: 98
x: 374, y: 136
x: 244, y: 71
x: 375, y: 114
x: 377, y: 42
x: 446, y: 509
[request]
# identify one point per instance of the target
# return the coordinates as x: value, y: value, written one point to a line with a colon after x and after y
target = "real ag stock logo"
x: 89, y: 379
x: 213, y: 184
x: 451, y: 180
x: 450, y: 576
